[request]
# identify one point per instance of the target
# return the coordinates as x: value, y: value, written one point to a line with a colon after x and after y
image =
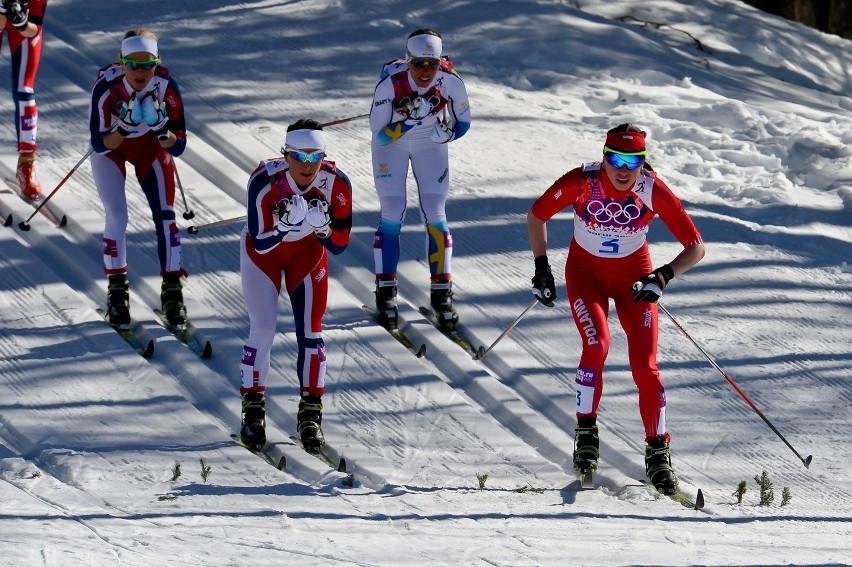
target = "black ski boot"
x: 118, y: 302
x: 442, y: 304
x: 309, y: 425
x: 253, y: 429
x: 386, y: 304
x: 586, y: 445
x: 658, y: 466
x: 172, y: 300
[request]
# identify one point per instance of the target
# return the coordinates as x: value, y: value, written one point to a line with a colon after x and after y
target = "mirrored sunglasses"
x: 307, y: 157
x: 134, y: 65
x: 424, y: 62
x: 618, y: 161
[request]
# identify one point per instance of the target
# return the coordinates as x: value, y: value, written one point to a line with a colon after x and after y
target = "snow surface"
x: 749, y: 121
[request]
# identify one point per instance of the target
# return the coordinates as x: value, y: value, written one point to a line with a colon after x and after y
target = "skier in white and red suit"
x: 136, y: 117
x: 299, y: 208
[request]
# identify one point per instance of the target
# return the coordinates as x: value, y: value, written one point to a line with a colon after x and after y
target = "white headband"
x: 139, y: 43
x: 304, y: 140
x: 425, y: 45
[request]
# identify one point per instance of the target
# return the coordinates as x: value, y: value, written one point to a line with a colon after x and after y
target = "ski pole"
x: 187, y: 212
x: 25, y: 224
x: 194, y: 229
x: 336, y: 122
x: 344, y: 120
x: 737, y: 389
x: 482, y: 352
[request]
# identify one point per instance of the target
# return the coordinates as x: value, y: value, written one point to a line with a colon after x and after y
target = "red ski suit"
x: 608, y: 253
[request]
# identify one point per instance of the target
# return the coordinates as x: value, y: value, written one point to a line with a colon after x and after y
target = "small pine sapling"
x: 767, y: 495
x: 740, y: 492
x: 176, y: 471
x: 786, y: 496
x: 481, y: 478
x: 205, y: 469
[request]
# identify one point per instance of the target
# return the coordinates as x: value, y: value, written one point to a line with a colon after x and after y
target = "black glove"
x: 544, y: 288
x: 649, y: 288
x: 17, y: 12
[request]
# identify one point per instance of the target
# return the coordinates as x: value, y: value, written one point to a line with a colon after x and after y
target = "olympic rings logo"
x: 613, y: 212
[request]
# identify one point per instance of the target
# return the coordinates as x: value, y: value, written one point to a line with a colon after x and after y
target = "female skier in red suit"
x: 614, y: 201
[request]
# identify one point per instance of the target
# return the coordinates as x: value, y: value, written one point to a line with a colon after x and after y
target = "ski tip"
x: 63, y: 222
x: 208, y: 350
x: 699, y: 500
x: 148, y: 352
x: 341, y: 465
x: 421, y: 352
x: 8, y: 220
x: 282, y: 463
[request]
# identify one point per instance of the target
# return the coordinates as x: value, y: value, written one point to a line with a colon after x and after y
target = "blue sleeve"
x: 392, y: 132
x: 177, y: 149
x: 263, y: 237
x: 331, y: 246
x: 96, y: 137
x: 460, y: 129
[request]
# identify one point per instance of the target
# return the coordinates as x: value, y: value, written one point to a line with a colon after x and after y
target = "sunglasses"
x: 631, y: 161
x: 134, y: 65
x: 307, y: 157
x: 424, y: 62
